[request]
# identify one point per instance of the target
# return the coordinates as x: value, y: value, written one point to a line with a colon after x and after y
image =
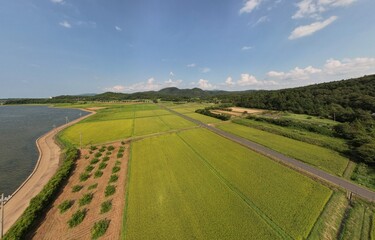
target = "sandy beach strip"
x: 46, y: 167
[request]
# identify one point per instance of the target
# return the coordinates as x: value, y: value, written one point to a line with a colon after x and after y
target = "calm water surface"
x: 20, y: 126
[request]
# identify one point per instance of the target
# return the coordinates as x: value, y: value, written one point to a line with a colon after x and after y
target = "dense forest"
x: 351, y: 102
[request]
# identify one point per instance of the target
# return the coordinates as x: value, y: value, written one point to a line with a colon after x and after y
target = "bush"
x: 93, y: 148
x: 223, y: 117
x: 120, y: 155
x: 98, y: 174
x: 77, y: 218
x: 117, y: 163
x: 115, y: 169
x: 102, y: 165
x: 87, y: 157
x: 93, y: 186
x: 86, y: 199
x: 109, y: 190
x: 98, y: 154
x: 94, y: 161
x: 106, y: 206
x: 113, y: 178
x: 99, y: 228
x: 105, y: 159
x: 77, y: 188
x: 110, y: 148
x: 122, y: 143
x: 84, y: 176
x: 89, y: 168
x: 64, y: 206
x: 48, y: 194
x: 108, y: 153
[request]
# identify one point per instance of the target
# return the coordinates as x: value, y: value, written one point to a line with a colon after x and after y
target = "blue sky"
x: 54, y: 47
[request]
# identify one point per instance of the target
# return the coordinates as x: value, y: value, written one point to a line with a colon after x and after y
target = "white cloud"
x: 204, y: 84
x: 295, y: 74
x: 205, y: 70
x: 250, y: 5
x: 171, y: 83
x: 118, y: 28
x: 117, y: 88
x: 314, y: 8
x: 58, y: 1
x: 229, y: 82
x: 350, y: 67
x: 262, y: 19
x: 65, y: 24
x: 246, y: 48
x: 303, y: 31
x: 333, y: 69
x: 171, y: 74
x: 191, y: 65
x: 247, y: 80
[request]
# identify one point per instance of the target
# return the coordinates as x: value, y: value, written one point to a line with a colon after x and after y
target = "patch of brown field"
x: 55, y: 224
x: 248, y: 110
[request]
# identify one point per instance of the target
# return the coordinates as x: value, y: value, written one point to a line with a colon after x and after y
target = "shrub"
x: 99, y: 228
x: 98, y: 154
x: 77, y: 188
x: 93, y: 148
x: 110, y: 148
x: 120, y: 155
x: 98, y: 174
x: 87, y: 157
x: 102, y: 165
x: 115, y: 169
x: 84, y: 176
x: 117, y: 163
x: 113, y: 178
x: 108, y: 153
x: 102, y: 150
x: 122, y: 143
x: 89, y: 168
x: 77, y: 218
x: 94, y: 161
x: 64, y: 206
x: 91, y: 152
x: 109, y: 190
x: 105, y: 206
x: 105, y: 159
x: 86, y: 199
x: 93, y: 186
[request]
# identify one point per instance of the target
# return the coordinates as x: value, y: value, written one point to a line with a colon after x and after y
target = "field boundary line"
x: 237, y: 192
x: 125, y: 215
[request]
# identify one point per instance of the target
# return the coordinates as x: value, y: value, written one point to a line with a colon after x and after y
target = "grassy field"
x: 173, y: 195
x: 320, y: 157
x: 203, y: 118
x: 333, y: 143
x: 98, y: 132
x: 290, y: 200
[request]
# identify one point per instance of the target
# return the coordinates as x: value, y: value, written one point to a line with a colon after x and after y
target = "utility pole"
x: 2, y: 215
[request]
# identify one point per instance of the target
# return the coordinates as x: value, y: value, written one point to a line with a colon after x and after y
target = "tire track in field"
x: 237, y: 192
x: 299, y: 166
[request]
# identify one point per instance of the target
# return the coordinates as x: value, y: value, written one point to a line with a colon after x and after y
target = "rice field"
x: 193, y: 189
x: 326, y: 159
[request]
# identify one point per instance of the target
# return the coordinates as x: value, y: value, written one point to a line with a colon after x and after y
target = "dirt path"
x: 45, y: 168
x: 291, y: 162
x: 55, y: 224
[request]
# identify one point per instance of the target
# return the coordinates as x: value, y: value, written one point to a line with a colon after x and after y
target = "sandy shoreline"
x: 46, y: 167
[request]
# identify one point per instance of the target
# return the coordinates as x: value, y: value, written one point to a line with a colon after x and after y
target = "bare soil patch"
x: 248, y: 110
x: 55, y: 224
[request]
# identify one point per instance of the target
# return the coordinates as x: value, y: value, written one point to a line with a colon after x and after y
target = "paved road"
x: 295, y: 164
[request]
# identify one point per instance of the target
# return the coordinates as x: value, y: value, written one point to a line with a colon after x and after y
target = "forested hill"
x: 345, y: 100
